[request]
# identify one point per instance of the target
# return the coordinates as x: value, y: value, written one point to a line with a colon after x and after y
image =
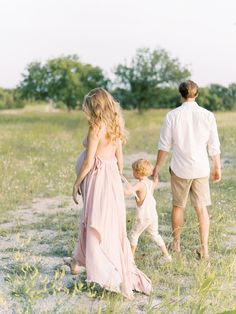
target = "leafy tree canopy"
x: 63, y: 79
x: 140, y: 83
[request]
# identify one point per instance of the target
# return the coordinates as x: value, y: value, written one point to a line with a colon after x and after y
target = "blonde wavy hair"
x: 101, y: 108
x: 142, y: 167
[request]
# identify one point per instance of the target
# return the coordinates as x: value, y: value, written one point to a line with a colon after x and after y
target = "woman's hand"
x: 76, y: 190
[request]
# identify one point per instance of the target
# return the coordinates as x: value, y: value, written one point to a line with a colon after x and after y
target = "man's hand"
x: 155, y: 175
x: 161, y: 155
x: 216, y: 175
x: 76, y: 190
x: 216, y: 169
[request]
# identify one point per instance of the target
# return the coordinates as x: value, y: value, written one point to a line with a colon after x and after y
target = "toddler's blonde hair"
x: 101, y: 108
x: 142, y: 167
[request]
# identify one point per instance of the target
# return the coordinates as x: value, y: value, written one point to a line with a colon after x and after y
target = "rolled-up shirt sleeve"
x: 165, y: 140
x: 213, y: 142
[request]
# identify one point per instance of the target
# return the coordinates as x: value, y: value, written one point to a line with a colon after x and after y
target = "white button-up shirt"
x: 190, y: 130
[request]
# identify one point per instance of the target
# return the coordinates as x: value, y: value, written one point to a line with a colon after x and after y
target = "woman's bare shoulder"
x: 98, y: 131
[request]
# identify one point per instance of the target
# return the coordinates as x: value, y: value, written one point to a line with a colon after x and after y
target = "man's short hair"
x: 188, y: 89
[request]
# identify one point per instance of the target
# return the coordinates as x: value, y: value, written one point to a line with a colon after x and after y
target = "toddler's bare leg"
x: 153, y: 231
x: 136, y: 231
x: 164, y: 250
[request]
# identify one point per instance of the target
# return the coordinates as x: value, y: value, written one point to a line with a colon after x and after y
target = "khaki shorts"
x: 198, y: 189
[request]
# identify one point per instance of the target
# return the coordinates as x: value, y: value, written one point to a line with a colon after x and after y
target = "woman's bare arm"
x: 119, y: 155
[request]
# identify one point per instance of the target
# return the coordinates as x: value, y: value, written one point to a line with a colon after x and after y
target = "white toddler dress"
x: 146, y: 218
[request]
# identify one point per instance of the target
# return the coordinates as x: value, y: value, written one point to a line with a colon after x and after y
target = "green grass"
x: 37, y: 156
x: 38, y: 151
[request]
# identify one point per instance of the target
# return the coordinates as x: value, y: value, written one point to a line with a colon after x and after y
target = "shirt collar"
x: 189, y: 103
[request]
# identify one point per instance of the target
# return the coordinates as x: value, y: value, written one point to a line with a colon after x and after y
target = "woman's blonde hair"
x: 142, y: 167
x: 101, y: 108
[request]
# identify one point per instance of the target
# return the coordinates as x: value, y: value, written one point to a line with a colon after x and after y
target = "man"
x: 189, y: 130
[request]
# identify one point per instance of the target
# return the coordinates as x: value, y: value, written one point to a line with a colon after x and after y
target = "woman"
x: 103, y: 247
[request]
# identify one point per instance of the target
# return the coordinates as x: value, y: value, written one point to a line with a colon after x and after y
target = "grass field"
x: 38, y: 222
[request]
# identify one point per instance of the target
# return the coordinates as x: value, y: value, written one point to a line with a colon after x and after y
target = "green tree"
x: 63, y: 79
x: 167, y: 97
x: 209, y: 100
x: 232, y: 94
x: 217, y: 97
x: 222, y: 93
x: 9, y: 99
x: 34, y: 84
x: 140, y: 83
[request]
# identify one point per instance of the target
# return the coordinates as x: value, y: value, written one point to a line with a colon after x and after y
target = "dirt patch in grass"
x: 35, y: 240
x: 28, y: 261
x: 34, y: 278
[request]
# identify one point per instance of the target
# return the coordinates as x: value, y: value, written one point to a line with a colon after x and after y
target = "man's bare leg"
x: 177, y: 224
x: 204, y: 223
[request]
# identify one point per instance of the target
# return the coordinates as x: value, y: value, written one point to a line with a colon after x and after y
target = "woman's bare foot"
x: 74, y: 267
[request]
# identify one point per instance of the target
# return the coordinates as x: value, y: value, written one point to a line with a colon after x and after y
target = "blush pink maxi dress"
x: 103, y: 247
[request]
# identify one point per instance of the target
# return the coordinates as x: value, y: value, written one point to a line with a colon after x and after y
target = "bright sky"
x: 200, y: 33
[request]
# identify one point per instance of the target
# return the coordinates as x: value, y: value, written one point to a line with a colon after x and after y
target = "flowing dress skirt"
x: 103, y: 247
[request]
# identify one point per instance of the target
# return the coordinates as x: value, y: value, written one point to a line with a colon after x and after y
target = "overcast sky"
x: 200, y: 33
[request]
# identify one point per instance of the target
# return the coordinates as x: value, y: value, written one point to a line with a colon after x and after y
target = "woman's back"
x: 106, y: 148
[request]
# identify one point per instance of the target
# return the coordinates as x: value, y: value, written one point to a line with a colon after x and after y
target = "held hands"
x: 216, y: 175
x: 155, y: 175
x: 76, y: 190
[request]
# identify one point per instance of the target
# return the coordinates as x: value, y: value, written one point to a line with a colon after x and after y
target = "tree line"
x: 150, y: 80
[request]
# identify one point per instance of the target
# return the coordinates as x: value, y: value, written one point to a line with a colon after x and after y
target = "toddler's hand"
x: 155, y: 183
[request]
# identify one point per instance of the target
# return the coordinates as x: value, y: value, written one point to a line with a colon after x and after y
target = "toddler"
x: 146, y: 215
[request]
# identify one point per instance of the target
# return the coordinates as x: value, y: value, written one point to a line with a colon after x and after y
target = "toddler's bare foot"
x: 167, y: 258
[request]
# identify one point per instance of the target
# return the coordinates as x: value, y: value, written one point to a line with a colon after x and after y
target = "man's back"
x: 189, y: 130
